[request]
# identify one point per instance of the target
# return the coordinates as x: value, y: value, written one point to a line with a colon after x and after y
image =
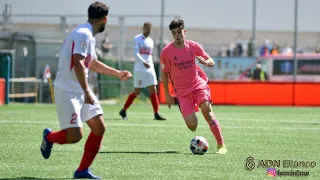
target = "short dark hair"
x: 147, y: 24
x: 97, y: 10
x: 176, y: 23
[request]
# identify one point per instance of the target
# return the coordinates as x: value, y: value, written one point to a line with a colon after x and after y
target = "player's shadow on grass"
x: 140, y: 152
x: 20, y: 178
x: 150, y: 152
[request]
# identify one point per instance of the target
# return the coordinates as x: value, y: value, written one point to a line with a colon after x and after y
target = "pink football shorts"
x: 188, y: 103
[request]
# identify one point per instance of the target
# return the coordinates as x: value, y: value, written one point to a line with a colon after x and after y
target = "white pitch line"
x: 174, y: 126
x: 265, y: 120
x: 203, y: 126
x: 312, y: 118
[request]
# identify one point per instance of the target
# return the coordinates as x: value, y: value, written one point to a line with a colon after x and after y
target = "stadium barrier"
x: 258, y: 93
x: 2, y: 90
x: 32, y: 88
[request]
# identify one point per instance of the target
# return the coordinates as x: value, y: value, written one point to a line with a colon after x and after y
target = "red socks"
x: 216, y: 131
x: 91, y: 149
x: 155, y: 102
x: 129, y: 101
x: 59, y: 137
x: 153, y: 97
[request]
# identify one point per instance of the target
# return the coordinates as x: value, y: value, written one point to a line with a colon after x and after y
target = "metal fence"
x: 49, y: 31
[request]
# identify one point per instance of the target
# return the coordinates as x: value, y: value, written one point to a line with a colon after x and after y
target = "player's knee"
x: 136, y: 91
x: 102, y: 129
x: 74, y: 135
x: 152, y: 90
x: 206, y: 109
x: 75, y: 138
x: 191, y: 122
x: 192, y: 128
x: 99, y: 130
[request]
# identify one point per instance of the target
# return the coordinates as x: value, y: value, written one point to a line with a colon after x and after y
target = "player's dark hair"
x: 176, y: 23
x: 97, y: 10
x: 147, y: 24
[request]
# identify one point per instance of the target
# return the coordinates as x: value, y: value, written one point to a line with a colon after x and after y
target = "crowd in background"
x: 245, y: 48
x: 240, y: 48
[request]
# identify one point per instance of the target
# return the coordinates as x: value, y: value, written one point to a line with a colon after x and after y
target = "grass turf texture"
x: 141, y: 148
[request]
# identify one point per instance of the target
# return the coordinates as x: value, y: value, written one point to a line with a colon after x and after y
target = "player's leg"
x: 66, y: 136
x: 137, y: 84
x: 187, y: 109
x: 191, y: 121
x: 131, y: 97
x: 68, y: 109
x: 92, y: 115
x: 91, y: 147
x: 150, y: 81
x: 212, y: 121
x: 155, y: 102
x: 203, y: 99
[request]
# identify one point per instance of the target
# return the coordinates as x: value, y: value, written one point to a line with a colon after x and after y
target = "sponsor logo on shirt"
x: 83, y: 45
x: 191, y: 53
x: 87, y: 60
x: 184, y: 65
x: 145, y: 50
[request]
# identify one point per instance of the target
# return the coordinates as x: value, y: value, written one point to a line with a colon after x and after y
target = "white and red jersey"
x: 79, y: 41
x: 143, y: 48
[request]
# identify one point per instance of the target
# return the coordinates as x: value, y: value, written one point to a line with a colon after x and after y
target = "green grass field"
x: 141, y: 148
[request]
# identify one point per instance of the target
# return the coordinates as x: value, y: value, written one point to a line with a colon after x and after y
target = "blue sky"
x: 217, y: 14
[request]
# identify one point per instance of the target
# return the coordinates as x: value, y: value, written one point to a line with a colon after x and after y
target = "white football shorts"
x: 71, y: 109
x: 144, y: 78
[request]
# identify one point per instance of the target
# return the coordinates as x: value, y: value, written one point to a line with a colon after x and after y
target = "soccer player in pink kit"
x: 144, y: 73
x: 75, y: 102
x: 189, y: 81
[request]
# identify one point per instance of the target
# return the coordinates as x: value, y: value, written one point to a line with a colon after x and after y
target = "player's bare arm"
x: 79, y: 69
x: 207, y: 62
x: 169, y: 98
x: 99, y: 67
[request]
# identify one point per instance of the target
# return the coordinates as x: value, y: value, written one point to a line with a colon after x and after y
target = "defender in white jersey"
x: 75, y: 102
x: 144, y: 73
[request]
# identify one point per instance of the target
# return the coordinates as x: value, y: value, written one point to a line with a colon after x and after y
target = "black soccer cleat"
x: 158, y: 117
x: 123, y: 114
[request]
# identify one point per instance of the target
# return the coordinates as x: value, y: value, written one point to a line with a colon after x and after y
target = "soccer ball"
x: 199, y: 145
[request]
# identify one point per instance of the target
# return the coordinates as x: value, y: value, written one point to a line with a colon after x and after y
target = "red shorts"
x: 187, y: 103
